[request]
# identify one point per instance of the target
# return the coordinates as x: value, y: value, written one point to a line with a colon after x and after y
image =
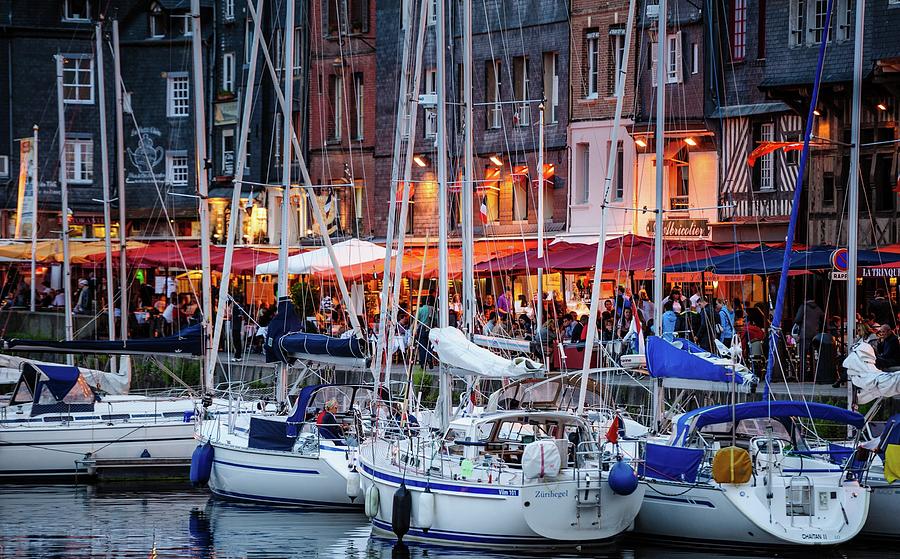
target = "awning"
x: 768, y: 260
x: 51, y: 252
x: 735, y: 111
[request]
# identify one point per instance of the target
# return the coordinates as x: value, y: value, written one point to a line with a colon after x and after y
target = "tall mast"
x: 400, y: 131
x: 443, y: 287
x: 34, y: 214
x: 202, y: 186
x: 243, y: 134
x: 441, y: 85
x: 611, y: 162
x: 64, y: 201
x: 468, y: 232
x: 853, y: 205
x: 287, y: 127
x: 125, y: 360
x: 657, y: 396
x: 104, y: 174
x: 539, y: 309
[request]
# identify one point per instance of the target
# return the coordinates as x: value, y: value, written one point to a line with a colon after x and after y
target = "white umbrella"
x: 348, y: 253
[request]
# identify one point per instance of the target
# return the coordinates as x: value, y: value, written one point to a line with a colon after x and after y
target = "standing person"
x: 237, y: 328
x: 726, y: 322
x: 425, y: 319
x: 810, y: 318
x: 669, y: 319
x: 608, y: 312
x: 646, y: 306
x: 83, y: 302
x: 708, y: 325
x: 887, y: 355
x: 504, y: 304
x: 880, y: 307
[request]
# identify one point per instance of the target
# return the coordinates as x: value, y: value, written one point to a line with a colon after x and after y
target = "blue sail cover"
x: 664, y: 360
x: 188, y: 340
x: 671, y: 463
x: 697, y: 419
x: 285, y: 336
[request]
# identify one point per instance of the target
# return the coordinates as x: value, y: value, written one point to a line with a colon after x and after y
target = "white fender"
x: 425, y: 510
x: 373, y: 500
x: 353, y: 485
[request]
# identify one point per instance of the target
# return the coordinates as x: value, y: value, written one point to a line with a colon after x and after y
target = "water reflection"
x: 76, y: 522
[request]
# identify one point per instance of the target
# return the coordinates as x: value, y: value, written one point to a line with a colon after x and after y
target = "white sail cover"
x: 454, y: 349
x: 872, y: 382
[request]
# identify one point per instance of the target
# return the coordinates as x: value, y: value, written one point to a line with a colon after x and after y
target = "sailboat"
x: 56, y: 424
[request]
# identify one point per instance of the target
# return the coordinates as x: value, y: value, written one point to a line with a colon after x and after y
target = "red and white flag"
x: 484, y: 210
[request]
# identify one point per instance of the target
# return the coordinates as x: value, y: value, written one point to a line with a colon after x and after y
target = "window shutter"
x: 653, y: 63
x: 679, y: 65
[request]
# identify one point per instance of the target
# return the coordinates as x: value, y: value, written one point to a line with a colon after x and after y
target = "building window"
x: 177, y: 168
x: 620, y: 175
x: 178, y: 95
x: 76, y: 10
x: 551, y: 87
x: 885, y: 182
x: 359, y: 16
x: 298, y: 52
x: 158, y: 26
x: 520, y: 90
x: 520, y: 194
x: 78, y: 79
x: 432, y: 11
x: 764, y: 171
x: 798, y: 22
x: 336, y: 95
x: 356, y: 123
x: 248, y: 40
x: 592, y: 62
x: 4, y: 166
x: 681, y: 186
x: 616, y: 53
x: 430, y: 127
x: 817, y: 20
x: 673, y: 58
x: 828, y: 189
x: 228, y: 8
x: 738, y: 30
x: 359, y: 204
x: 492, y: 91
x: 695, y: 58
x: 228, y: 144
x: 228, y: 72
x: 583, y: 153
x: 79, y: 161
x: 187, y: 23
x: 845, y: 21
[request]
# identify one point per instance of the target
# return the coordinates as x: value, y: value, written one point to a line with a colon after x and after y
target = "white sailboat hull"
x: 729, y: 515
x: 884, y: 509
x: 282, y: 478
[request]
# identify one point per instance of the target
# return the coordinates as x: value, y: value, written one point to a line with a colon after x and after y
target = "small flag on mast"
x: 484, y: 210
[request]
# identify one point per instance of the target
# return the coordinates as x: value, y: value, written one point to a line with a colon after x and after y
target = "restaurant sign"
x: 880, y: 272
x: 682, y: 228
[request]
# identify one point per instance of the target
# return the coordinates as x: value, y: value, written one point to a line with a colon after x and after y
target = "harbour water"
x: 156, y: 522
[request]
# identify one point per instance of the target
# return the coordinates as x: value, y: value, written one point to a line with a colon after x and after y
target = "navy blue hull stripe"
x: 267, y: 469
x: 680, y: 500
x: 476, y: 538
x: 284, y: 500
x: 434, y: 486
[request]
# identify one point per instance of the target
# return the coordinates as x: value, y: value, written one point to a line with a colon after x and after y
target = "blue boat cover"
x: 269, y: 435
x: 188, y: 340
x: 664, y: 360
x: 60, y: 378
x: 890, y: 435
x: 767, y: 260
x: 285, y: 336
x: 780, y: 410
x: 671, y: 463
x: 285, y: 321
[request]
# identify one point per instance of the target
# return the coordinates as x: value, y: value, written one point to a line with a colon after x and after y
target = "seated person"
x: 327, y: 424
x: 888, y: 354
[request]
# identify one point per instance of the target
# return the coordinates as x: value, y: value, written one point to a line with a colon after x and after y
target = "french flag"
x: 484, y: 210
